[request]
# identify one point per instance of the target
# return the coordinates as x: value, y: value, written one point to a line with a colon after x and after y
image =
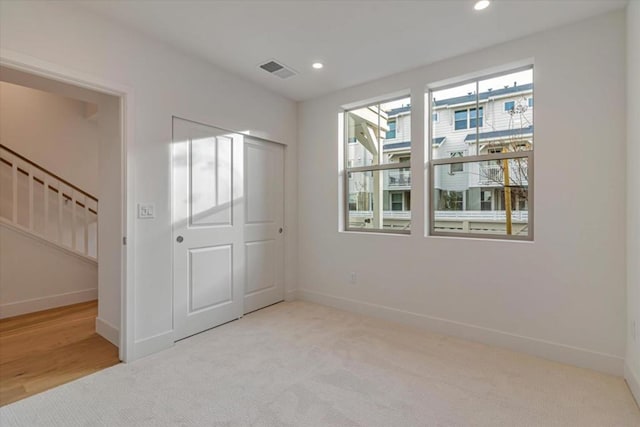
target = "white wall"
x: 165, y: 83
x: 37, y: 275
x: 632, y: 371
x: 561, y: 296
x: 110, y: 218
x: 52, y: 131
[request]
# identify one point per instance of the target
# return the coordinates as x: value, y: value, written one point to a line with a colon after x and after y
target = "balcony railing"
x: 494, y: 174
x: 399, y: 179
x: 499, y: 216
x: 396, y: 215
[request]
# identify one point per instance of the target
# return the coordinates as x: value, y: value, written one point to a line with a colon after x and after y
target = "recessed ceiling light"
x: 482, y: 4
x: 317, y: 65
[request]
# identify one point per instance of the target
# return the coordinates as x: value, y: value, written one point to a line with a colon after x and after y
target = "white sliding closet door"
x: 264, y: 223
x: 208, y: 222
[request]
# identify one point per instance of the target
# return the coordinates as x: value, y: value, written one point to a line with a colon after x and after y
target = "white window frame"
x: 372, y: 168
x: 432, y: 163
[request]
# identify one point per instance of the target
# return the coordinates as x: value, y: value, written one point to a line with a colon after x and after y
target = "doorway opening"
x: 61, y: 223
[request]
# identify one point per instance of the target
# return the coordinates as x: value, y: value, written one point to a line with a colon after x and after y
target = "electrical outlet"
x: 353, y: 278
x: 147, y: 211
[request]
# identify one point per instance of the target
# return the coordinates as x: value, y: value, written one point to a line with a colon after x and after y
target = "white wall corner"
x: 583, y: 358
x: 633, y: 381
x: 291, y: 295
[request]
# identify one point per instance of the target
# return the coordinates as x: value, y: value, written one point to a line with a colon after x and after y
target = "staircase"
x: 48, y: 238
x: 36, y: 201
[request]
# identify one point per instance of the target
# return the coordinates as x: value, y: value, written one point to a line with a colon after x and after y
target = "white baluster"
x: 60, y: 212
x: 46, y: 205
x: 73, y: 220
x: 86, y: 225
x: 14, y: 182
x: 31, y: 203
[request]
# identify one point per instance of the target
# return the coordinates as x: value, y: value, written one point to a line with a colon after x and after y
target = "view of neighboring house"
x: 466, y: 195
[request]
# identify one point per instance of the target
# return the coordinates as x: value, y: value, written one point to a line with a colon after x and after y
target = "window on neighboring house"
x: 486, y: 189
x: 450, y: 200
x: 485, y: 200
x: 472, y: 118
x: 397, y: 200
x: 466, y: 119
x: 373, y: 171
x: 436, y: 117
x: 530, y: 102
x: 391, y: 133
x: 461, y: 119
x: 456, y: 167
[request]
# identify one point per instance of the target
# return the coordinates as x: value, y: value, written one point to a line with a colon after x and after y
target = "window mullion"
x: 477, y: 117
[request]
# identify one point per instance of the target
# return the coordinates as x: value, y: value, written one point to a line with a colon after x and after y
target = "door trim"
x: 247, y: 134
x: 52, y: 71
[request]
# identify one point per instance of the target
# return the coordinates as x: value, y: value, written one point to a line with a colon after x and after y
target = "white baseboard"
x: 602, y: 362
x: 633, y: 381
x: 108, y: 331
x: 52, y: 301
x: 154, y: 344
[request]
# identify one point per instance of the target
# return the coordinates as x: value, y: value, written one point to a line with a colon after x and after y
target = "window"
x: 480, y: 180
x: 451, y: 201
x: 391, y: 133
x: 436, y: 117
x: 472, y: 118
x: 456, y: 167
x: 485, y: 200
x: 461, y: 117
x: 377, y: 185
x: 530, y: 102
x: 397, y: 201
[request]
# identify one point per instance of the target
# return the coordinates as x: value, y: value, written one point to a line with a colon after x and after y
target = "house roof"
x: 484, y: 95
x: 500, y: 133
x: 466, y: 98
x: 407, y: 144
x: 396, y: 145
x: 397, y: 111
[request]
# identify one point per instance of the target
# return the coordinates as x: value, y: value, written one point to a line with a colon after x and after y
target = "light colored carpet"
x: 302, y: 364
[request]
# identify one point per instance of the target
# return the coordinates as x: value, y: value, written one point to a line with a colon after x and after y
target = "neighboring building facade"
x: 461, y: 192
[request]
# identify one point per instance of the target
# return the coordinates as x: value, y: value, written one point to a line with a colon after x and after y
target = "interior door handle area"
x: 179, y: 239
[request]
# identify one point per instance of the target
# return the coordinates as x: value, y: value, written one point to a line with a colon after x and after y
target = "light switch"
x: 146, y: 211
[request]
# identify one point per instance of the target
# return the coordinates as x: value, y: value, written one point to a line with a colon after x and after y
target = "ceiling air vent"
x: 278, y: 69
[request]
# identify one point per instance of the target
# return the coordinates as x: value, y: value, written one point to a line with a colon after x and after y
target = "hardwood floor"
x: 42, y: 350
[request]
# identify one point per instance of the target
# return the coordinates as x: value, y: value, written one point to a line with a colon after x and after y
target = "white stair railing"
x: 37, y: 201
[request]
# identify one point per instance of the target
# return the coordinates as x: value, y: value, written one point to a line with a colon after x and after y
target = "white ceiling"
x: 358, y: 41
